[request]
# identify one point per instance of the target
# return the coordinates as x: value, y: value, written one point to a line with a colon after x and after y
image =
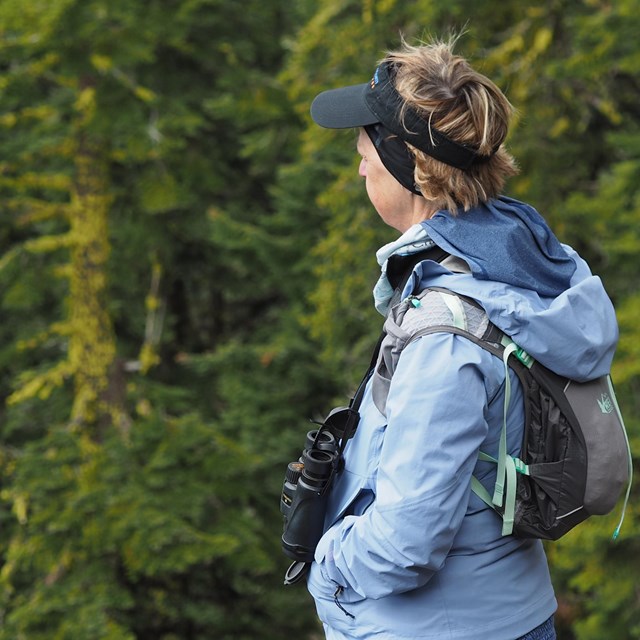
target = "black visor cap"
x: 343, y: 108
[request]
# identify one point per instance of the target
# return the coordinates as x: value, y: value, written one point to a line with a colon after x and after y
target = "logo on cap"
x: 375, y: 79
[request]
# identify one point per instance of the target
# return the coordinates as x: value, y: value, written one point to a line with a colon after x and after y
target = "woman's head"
x: 453, y: 119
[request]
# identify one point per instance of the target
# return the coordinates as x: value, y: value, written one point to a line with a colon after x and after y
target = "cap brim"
x: 343, y: 108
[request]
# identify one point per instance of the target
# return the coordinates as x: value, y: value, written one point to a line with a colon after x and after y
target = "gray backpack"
x: 575, y: 459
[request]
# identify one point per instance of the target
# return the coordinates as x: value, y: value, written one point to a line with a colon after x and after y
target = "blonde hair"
x: 465, y: 106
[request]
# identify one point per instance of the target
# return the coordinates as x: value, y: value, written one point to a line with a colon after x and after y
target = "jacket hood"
x: 506, y: 241
x: 535, y: 289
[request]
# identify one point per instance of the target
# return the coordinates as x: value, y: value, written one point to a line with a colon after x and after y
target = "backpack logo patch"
x: 605, y: 403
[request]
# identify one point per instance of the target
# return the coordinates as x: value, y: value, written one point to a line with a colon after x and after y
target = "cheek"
x: 377, y: 196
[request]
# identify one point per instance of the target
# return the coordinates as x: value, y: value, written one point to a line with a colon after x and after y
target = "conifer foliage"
x: 139, y: 140
x: 185, y: 272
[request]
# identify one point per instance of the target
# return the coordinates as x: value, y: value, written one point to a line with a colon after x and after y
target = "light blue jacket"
x: 409, y: 551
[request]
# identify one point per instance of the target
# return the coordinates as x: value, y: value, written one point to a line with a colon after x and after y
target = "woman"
x: 409, y: 551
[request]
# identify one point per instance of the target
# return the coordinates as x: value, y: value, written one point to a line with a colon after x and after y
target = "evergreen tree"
x: 186, y: 264
x: 139, y: 142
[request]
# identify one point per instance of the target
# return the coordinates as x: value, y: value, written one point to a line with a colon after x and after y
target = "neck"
x: 420, y: 210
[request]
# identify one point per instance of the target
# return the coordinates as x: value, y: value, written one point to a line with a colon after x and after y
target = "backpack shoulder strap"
x: 399, y: 270
x: 430, y: 311
x: 440, y: 310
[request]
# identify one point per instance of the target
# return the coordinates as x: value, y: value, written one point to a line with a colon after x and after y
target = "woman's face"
x: 397, y: 206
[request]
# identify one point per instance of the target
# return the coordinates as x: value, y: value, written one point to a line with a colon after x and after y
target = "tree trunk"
x: 92, y: 348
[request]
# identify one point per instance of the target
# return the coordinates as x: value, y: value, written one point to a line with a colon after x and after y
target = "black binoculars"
x: 306, y: 486
x: 304, y: 495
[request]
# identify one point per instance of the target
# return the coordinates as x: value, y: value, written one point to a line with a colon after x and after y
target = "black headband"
x: 408, y: 124
x: 395, y: 155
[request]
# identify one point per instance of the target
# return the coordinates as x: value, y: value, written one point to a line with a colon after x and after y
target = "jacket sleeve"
x: 436, y: 412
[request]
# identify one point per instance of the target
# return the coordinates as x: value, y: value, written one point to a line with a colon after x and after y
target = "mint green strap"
x: 480, y: 491
x: 498, y: 493
x: 510, y: 498
x: 616, y: 533
x: 508, y: 466
x: 513, y: 466
x: 456, y: 307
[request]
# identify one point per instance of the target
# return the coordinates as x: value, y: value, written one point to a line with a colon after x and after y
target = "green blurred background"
x: 186, y: 266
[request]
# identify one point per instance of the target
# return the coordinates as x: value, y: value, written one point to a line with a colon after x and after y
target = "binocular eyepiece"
x: 304, y: 495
